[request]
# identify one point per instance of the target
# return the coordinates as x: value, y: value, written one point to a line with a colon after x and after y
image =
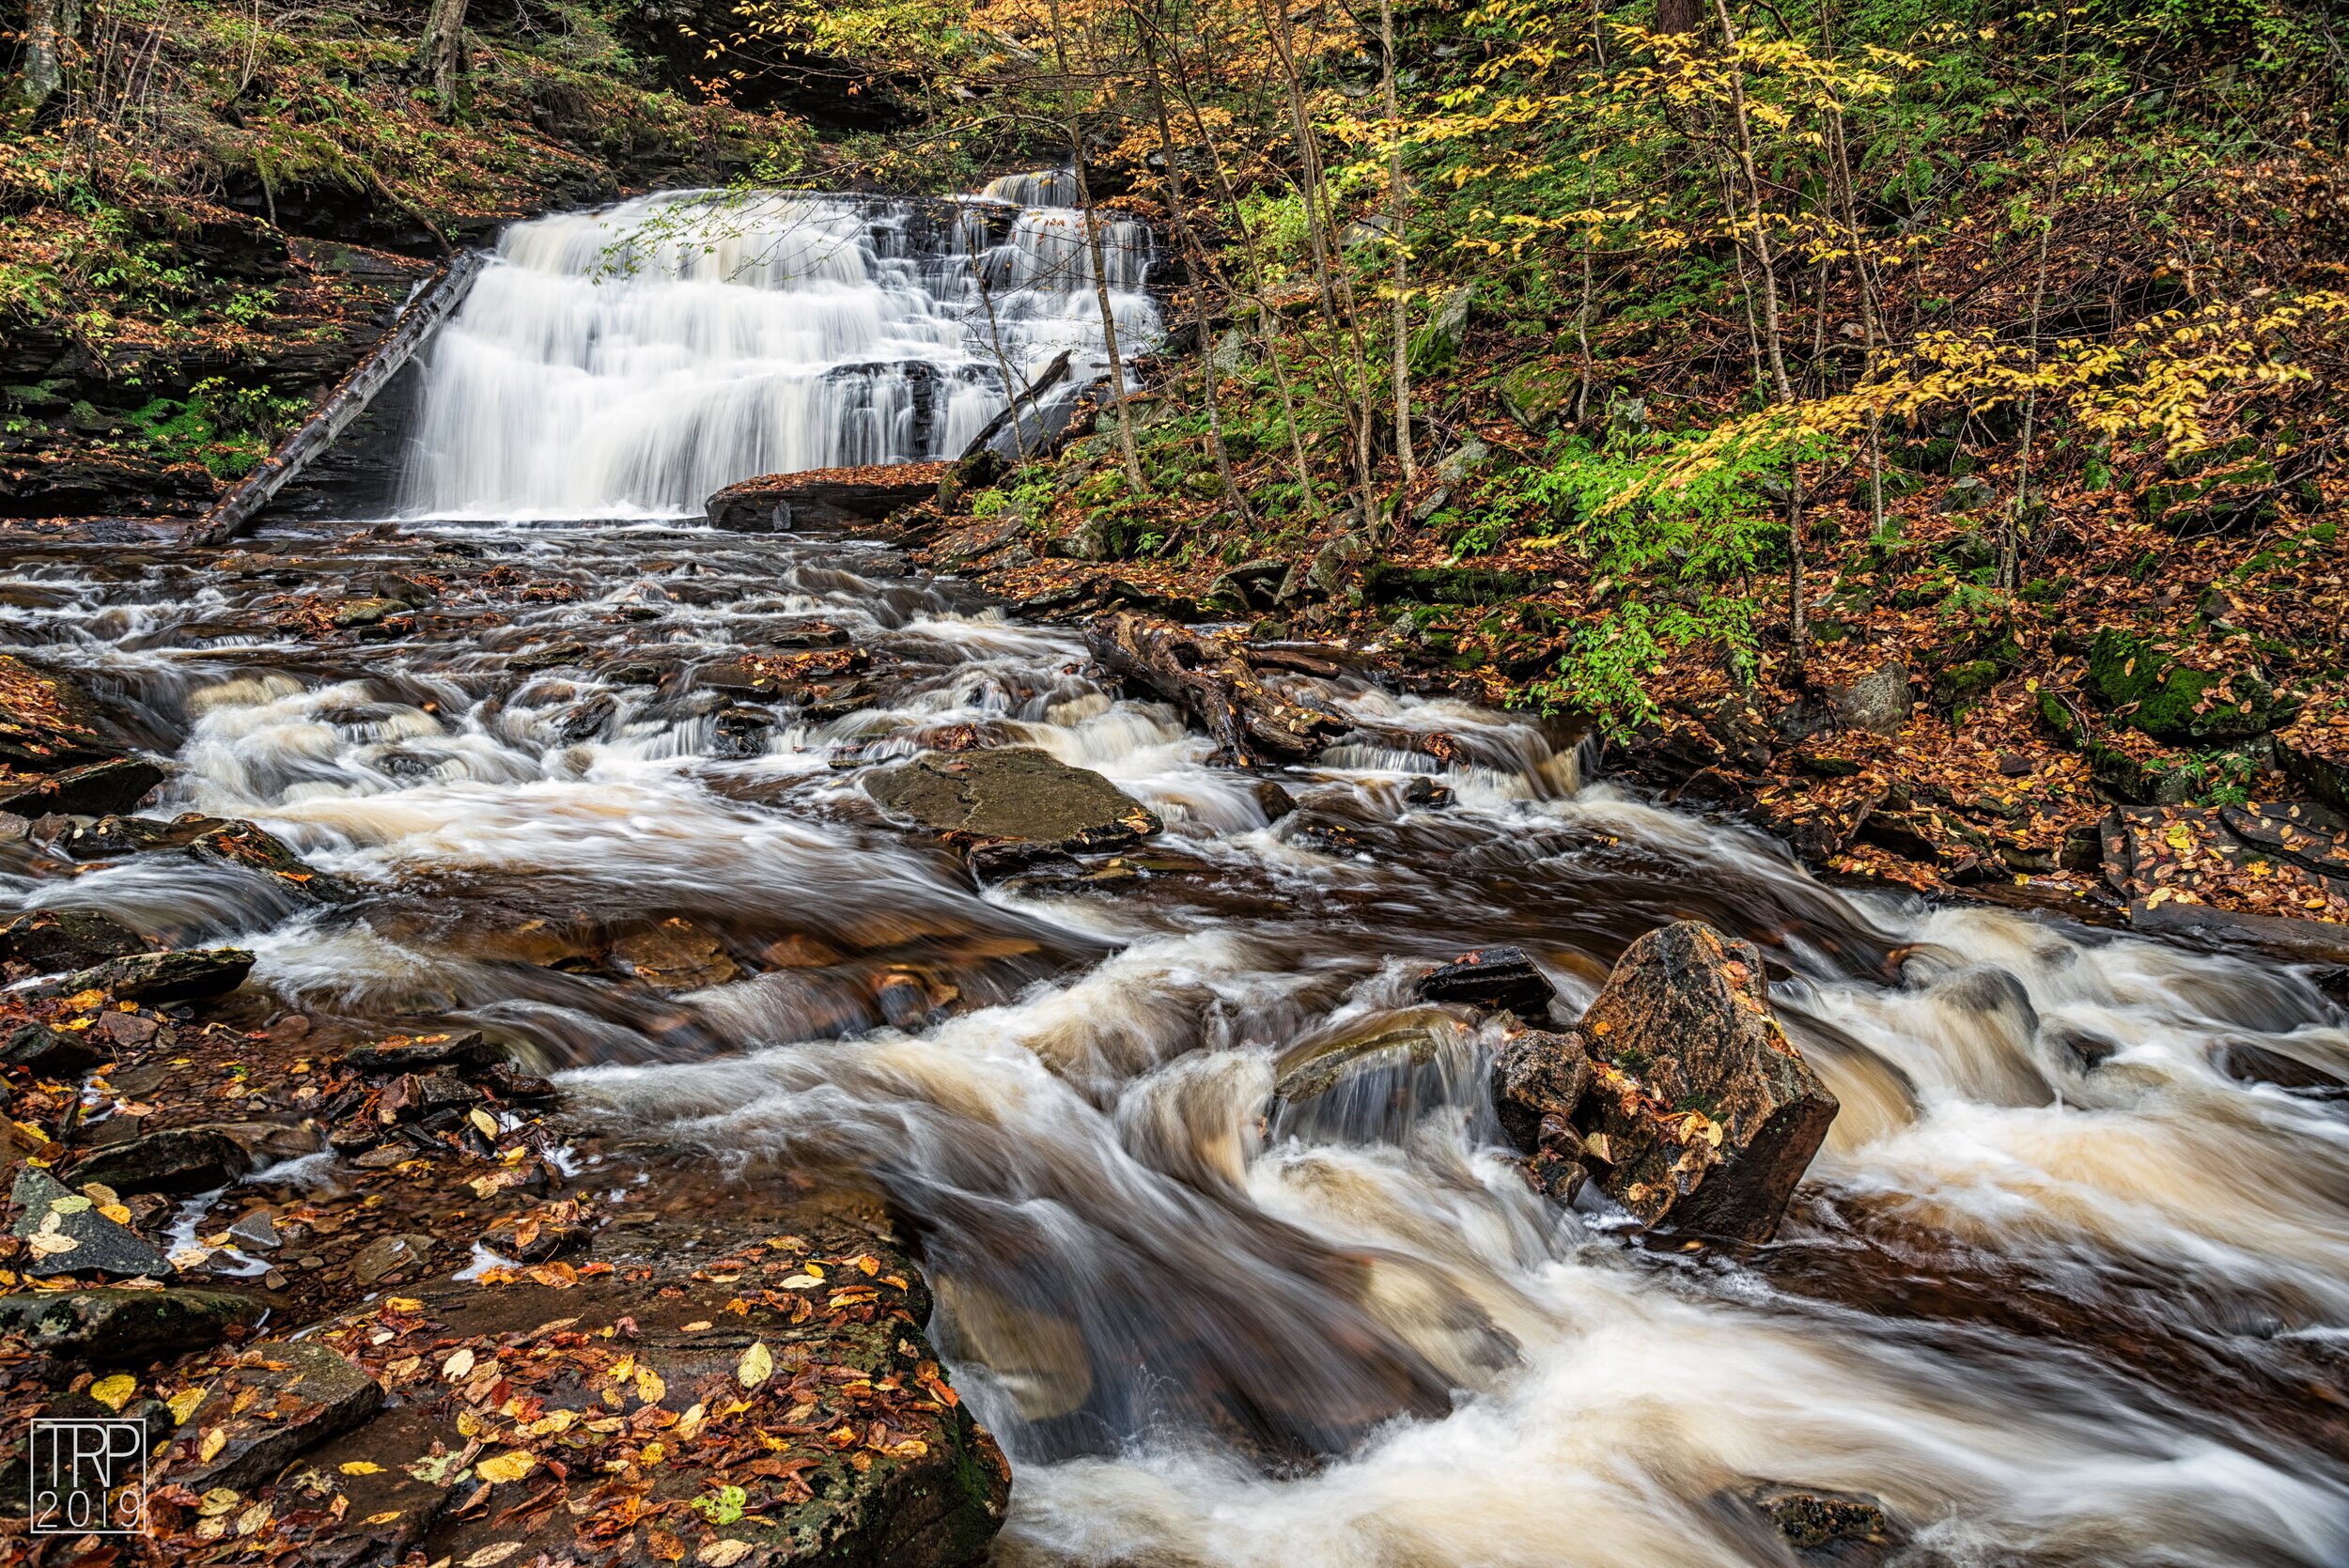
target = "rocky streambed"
x: 625, y: 1043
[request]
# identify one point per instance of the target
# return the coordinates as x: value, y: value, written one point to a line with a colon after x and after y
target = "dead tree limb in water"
x: 1207, y: 675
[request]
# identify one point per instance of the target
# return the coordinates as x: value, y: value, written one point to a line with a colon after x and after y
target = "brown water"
x: 2050, y: 1312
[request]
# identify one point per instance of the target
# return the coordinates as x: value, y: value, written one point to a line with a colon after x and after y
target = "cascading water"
x: 2060, y: 1305
x: 630, y: 361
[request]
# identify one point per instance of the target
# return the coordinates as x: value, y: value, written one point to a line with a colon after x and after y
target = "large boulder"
x: 2150, y: 689
x: 1015, y: 793
x: 1539, y: 1081
x: 1702, y: 1115
x: 823, y: 500
x: 176, y: 1159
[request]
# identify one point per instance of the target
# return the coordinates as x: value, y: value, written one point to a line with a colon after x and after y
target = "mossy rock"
x: 2151, y: 690
x: 1537, y: 396
x: 1389, y: 584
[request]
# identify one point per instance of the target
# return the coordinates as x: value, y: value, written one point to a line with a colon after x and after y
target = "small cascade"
x: 629, y: 362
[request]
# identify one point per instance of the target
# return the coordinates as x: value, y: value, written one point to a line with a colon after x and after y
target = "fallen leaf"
x: 723, y: 1554
x: 214, y: 1440
x: 456, y: 1368
x: 493, y: 1554
x: 510, y: 1465
x: 362, y: 1467
x: 756, y: 1366
x: 649, y: 1385
x: 183, y: 1404
x: 115, y: 1391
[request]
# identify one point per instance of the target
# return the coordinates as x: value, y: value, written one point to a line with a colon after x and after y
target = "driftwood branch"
x: 235, y: 512
x: 1209, y: 675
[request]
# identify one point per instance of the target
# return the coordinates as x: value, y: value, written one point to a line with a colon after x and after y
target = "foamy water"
x: 2048, y: 1312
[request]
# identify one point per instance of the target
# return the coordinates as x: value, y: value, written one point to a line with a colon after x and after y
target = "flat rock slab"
x: 120, y: 1327
x: 166, y: 976
x: 823, y: 500
x: 91, y: 789
x: 48, y: 722
x: 177, y: 1159
x: 465, y: 1050
x: 2279, y: 859
x: 1016, y: 793
x: 64, y: 1232
x: 275, y: 1400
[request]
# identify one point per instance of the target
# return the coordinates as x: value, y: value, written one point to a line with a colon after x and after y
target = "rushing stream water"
x: 2058, y: 1291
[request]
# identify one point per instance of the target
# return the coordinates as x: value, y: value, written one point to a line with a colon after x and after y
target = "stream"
x: 2057, y: 1290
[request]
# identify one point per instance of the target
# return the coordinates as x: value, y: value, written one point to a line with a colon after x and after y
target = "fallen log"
x: 1209, y: 675
x: 236, y: 511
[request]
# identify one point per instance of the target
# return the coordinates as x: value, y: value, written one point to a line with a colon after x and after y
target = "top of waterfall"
x: 1038, y: 188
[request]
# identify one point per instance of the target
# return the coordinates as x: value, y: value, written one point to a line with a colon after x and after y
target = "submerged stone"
x: 1015, y: 793
x: 64, y: 1232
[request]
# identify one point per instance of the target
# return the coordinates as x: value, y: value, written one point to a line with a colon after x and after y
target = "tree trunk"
x: 1677, y: 16
x: 1127, y: 450
x: 1398, y: 208
x: 440, y: 58
x: 1189, y: 241
x: 40, y: 71
x: 1774, y: 345
x: 1267, y: 334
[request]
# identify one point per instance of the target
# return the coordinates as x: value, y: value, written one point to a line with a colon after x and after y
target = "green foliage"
x: 227, y: 430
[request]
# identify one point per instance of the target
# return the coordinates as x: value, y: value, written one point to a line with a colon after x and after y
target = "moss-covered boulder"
x: 2148, y: 687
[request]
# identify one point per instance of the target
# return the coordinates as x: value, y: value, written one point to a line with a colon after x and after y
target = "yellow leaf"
x: 214, y: 1440
x: 456, y: 1366
x: 510, y: 1465
x: 383, y: 1518
x: 469, y: 1425
x: 486, y: 1123
x: 689, y: 1423
x: 183, y: 1404
x: 362, y: 1467
x: 492, y: 1554
x: 119, y: 1213
x: 756, y: 1366
x: 652, y: 1453
x: 649, y: 1385
x: 115, y: 1391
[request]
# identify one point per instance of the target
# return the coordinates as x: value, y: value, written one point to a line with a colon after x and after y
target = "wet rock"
x: 1015, y: 793
x: 824, y: 500
x: 1274, y: 800
x: 1313, y: 1068
x: 48, y: 722
x: 186, y: 976
x: 1701, y: 1114
x: 243, y: 844
x: 548, y: 656
x: 1827, y: 1529
x: 177, y: 1159
x: 422, y: 1053
x: 47, y: 1052
x: 676, y: 955
x: 93, y: 789
x: 1387, y: 583
x: 258, y: 1230
x: 517, y: 1088
x: 384, y: 1256
x: 64, y: 1232
x: 2247, y: 1063
x: 280, y: 1398
x: 1538, y: 1079
x: 1496, y: 979
x: 115, y: 1327
x: 53, y: 939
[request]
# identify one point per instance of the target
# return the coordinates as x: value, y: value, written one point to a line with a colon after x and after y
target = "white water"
x: 629, y: 363
x: 2050, y: 1313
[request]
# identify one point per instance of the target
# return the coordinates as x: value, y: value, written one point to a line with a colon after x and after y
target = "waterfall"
x: 627, y: 363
